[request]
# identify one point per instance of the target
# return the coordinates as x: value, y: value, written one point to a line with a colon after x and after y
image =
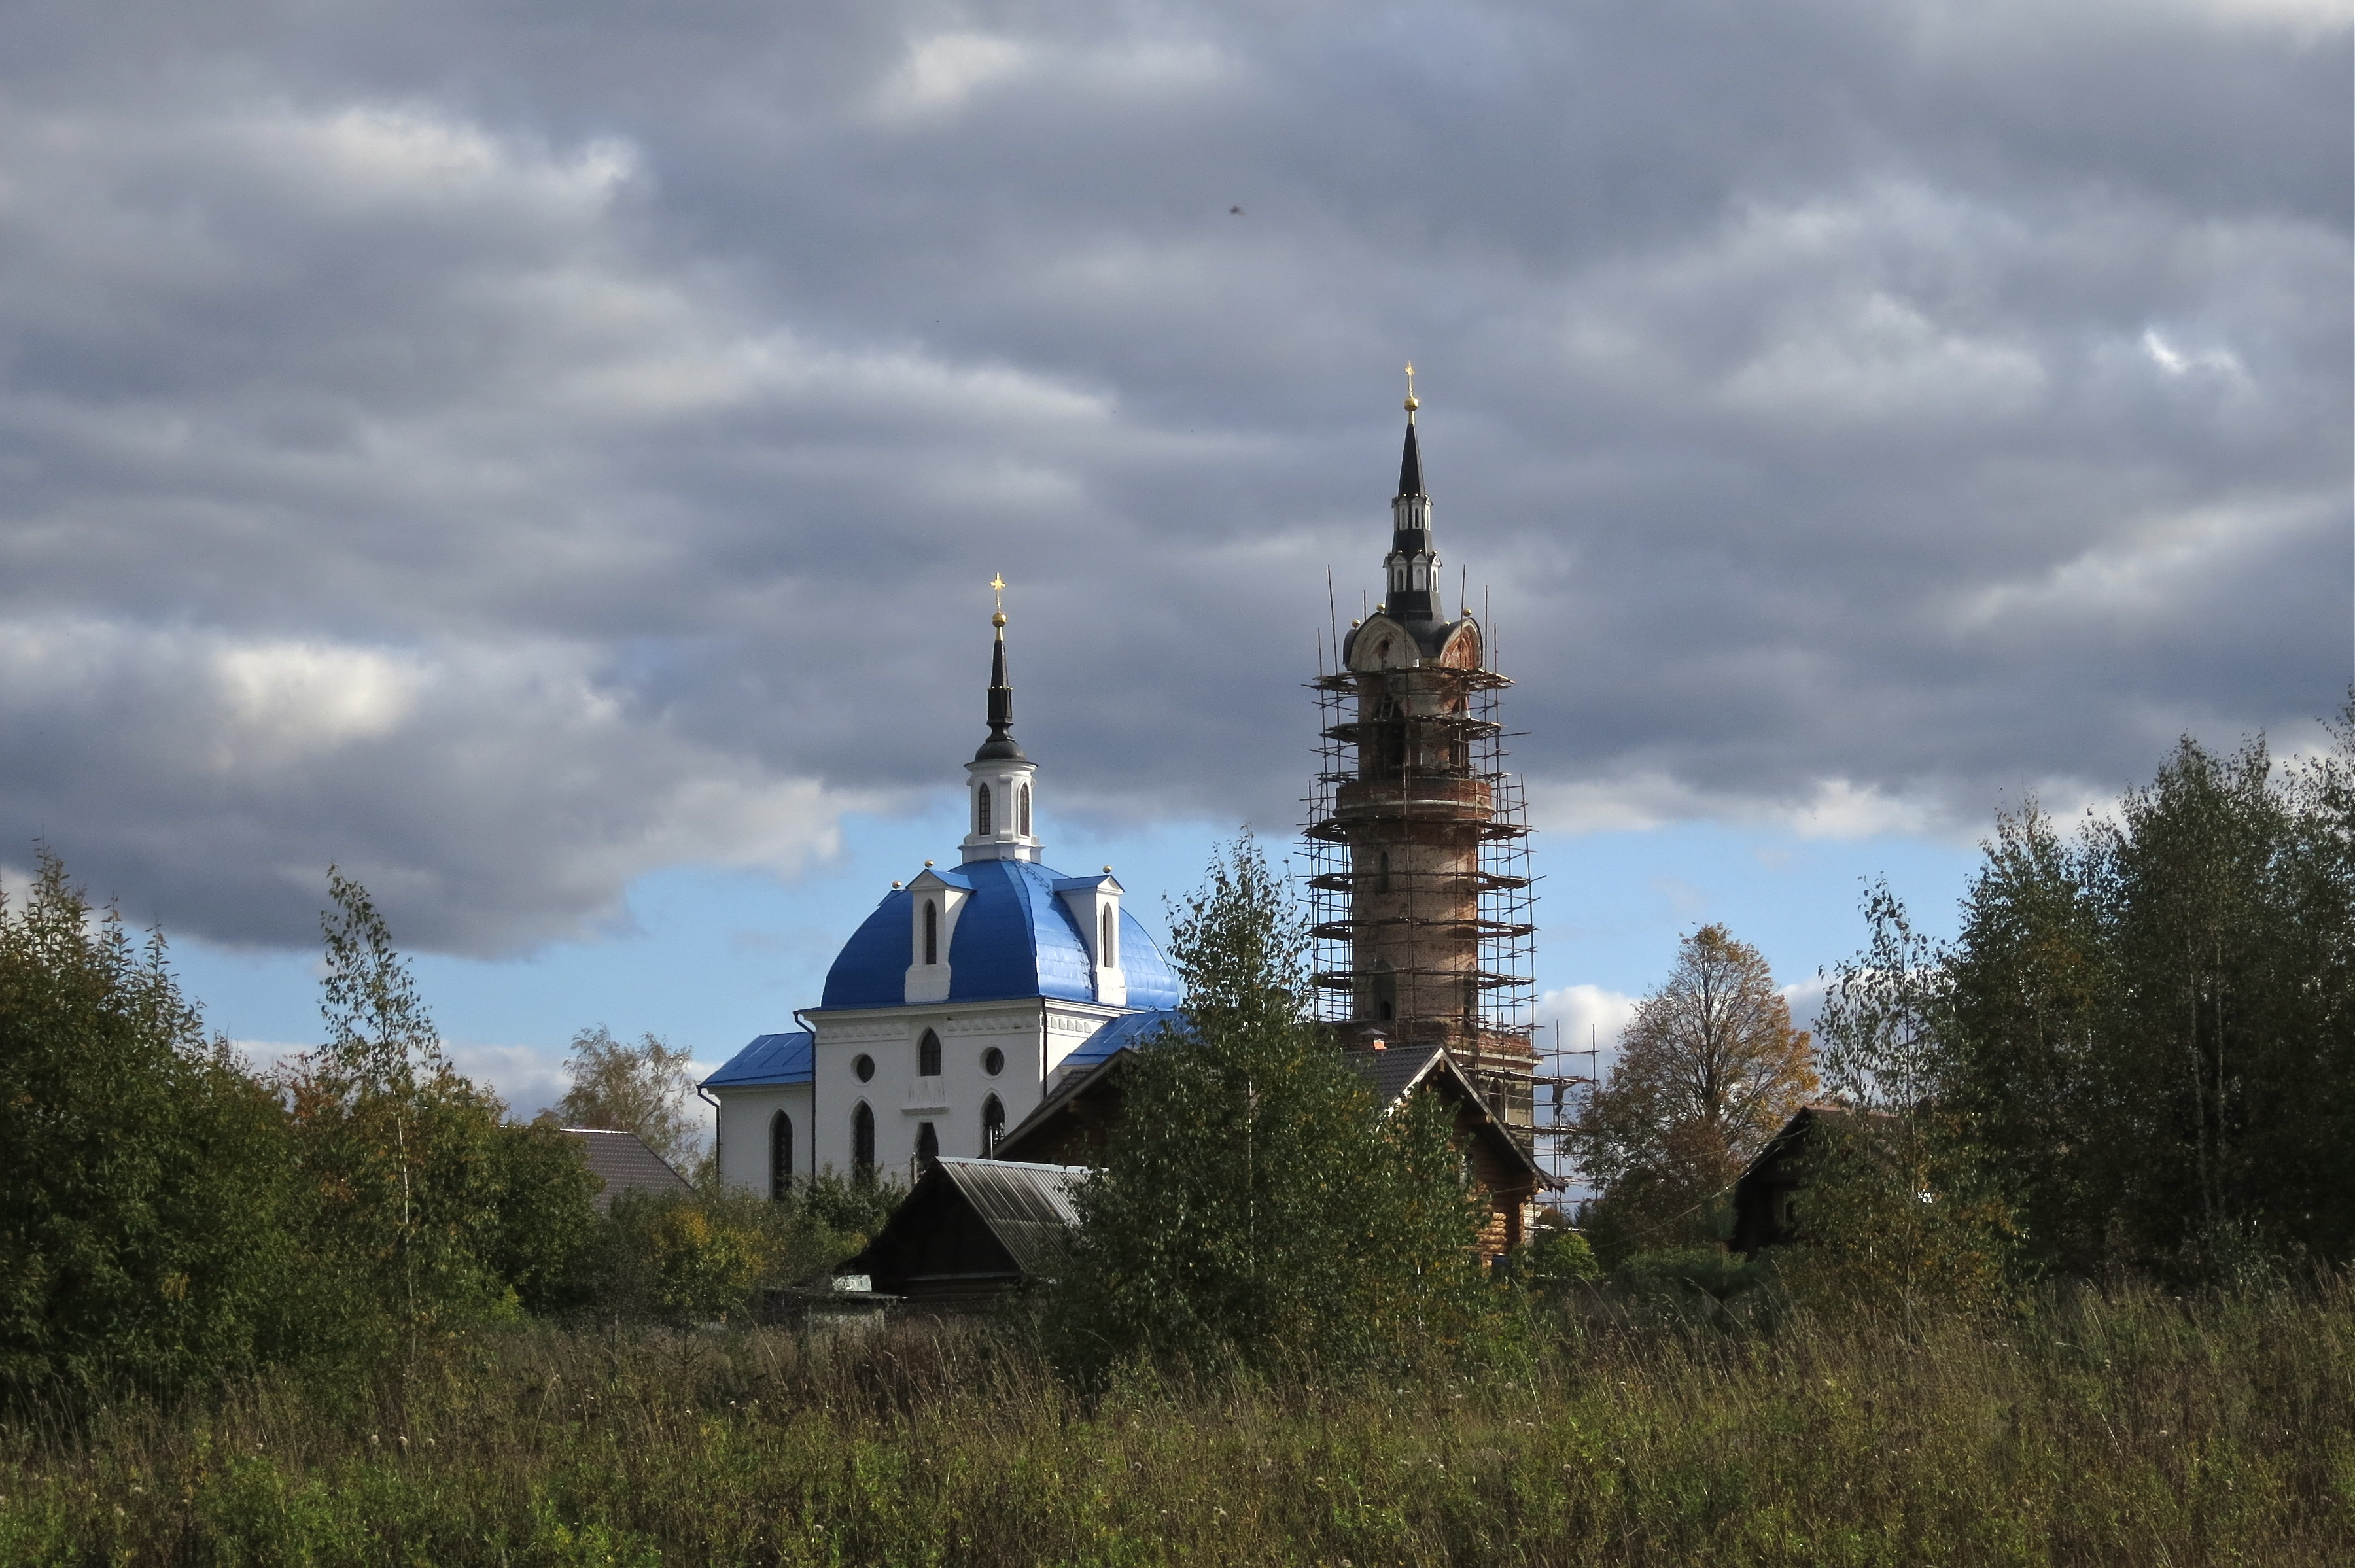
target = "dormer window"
x: 1108, y: 950
x: 1022, y: 795
x: 932, y: 931
x: 981, y: 811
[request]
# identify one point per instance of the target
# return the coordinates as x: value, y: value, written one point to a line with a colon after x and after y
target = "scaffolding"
x: 1563, y: 1092
x: 1486, y: 908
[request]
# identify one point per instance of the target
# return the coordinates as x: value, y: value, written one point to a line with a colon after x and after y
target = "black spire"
x: 1412, y: 567
x: 1411, y: 463
x: 1000, y: 747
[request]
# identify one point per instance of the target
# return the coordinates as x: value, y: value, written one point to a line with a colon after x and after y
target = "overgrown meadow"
x: 2139, y: 1429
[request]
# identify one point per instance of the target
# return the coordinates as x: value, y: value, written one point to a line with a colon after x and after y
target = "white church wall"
x: 902, y: 1100
x: 745, y: 1117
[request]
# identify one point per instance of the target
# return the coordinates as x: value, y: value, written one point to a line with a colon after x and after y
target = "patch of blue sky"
x: 708, y: 958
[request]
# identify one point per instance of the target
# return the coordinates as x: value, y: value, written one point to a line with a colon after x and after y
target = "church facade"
x: 954, y: 1005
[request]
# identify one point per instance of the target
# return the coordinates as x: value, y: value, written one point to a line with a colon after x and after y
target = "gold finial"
x: 998, y: 586
x: 1412, y: 402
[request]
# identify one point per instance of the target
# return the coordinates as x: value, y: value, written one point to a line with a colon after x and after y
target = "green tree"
x: 142, y: 1170
x: 426, y: 1214
x: 542, y: 1240
x: 643, y: 1088
x: 1898, y: 1209
x: 1254, y: 1202
x: 1709, y: 1068
x: 2154, y: 1024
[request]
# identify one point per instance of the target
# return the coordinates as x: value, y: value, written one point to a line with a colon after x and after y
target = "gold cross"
x: 1412, y: 404
x: 998, y: 586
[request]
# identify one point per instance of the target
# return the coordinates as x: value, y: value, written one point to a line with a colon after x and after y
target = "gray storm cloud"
x: 507, y: 449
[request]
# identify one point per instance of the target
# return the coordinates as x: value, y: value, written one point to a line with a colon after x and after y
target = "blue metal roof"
x: 769, y: 1058
x: 1014, y: 938
x: 1131, y: 1028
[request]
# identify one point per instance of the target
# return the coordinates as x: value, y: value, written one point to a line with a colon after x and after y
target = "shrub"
x: 144, y: 1173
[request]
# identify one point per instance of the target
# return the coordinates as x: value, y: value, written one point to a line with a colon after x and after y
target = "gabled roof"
x: 1395, y: 1072
x: 1390, y: 1072
x: 1024, y: 1214
x: 624, y: 1163
x: 771, y: 1059
x: 1014, y: 938
x: 1030, y: 1208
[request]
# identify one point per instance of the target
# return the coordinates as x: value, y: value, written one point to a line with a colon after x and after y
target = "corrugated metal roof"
x: 1013, y: 938
x: 1030, y: 1208
x: 624, y: 1163
x: 771, y: 1059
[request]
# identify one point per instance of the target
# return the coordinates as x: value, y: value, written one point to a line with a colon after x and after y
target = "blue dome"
x: 1014, y: 938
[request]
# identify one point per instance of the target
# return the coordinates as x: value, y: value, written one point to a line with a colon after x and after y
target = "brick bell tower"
x: 1418, y: 846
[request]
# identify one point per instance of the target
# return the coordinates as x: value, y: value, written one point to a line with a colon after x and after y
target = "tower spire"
x: 1000, y: 746
x: 1412, y: 565
x: 999, y: 777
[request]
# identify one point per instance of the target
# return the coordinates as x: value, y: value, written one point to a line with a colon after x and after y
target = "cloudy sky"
x: 546, y: 457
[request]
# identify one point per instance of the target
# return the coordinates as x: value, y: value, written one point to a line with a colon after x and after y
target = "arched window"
x: 862, y: 1143
x: 927, y: 1144
x: 932, y: 931
x: 1023, y: 799
x: 928, y: 1056
x: 993, y: 1124
x: 1385, y: 991
x: 1109, y: 948
x: 1419, y: 580
x: 981, y: 811
x: 1386, y: 871
x: 781, y: 1157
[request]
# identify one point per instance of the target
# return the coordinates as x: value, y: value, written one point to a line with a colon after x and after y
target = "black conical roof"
x: 1000, y: 746
x: 1411, y: 465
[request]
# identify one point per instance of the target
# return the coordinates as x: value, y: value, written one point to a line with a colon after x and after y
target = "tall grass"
x: 2135, y: 1430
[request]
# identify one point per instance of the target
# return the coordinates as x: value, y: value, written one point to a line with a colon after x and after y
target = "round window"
x: 864, y: 1067
x: 992, y: 1061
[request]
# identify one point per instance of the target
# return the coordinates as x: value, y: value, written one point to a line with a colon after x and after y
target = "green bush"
x: 1557, y: 1256
x: 145, y: 1176
x: 708, y: 1254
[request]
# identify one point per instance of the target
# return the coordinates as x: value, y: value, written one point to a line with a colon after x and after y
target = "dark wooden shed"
x: 972, y: 1229
x: 1766, y: 1196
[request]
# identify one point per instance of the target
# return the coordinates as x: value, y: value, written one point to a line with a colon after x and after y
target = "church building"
x: 956, y: 1004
